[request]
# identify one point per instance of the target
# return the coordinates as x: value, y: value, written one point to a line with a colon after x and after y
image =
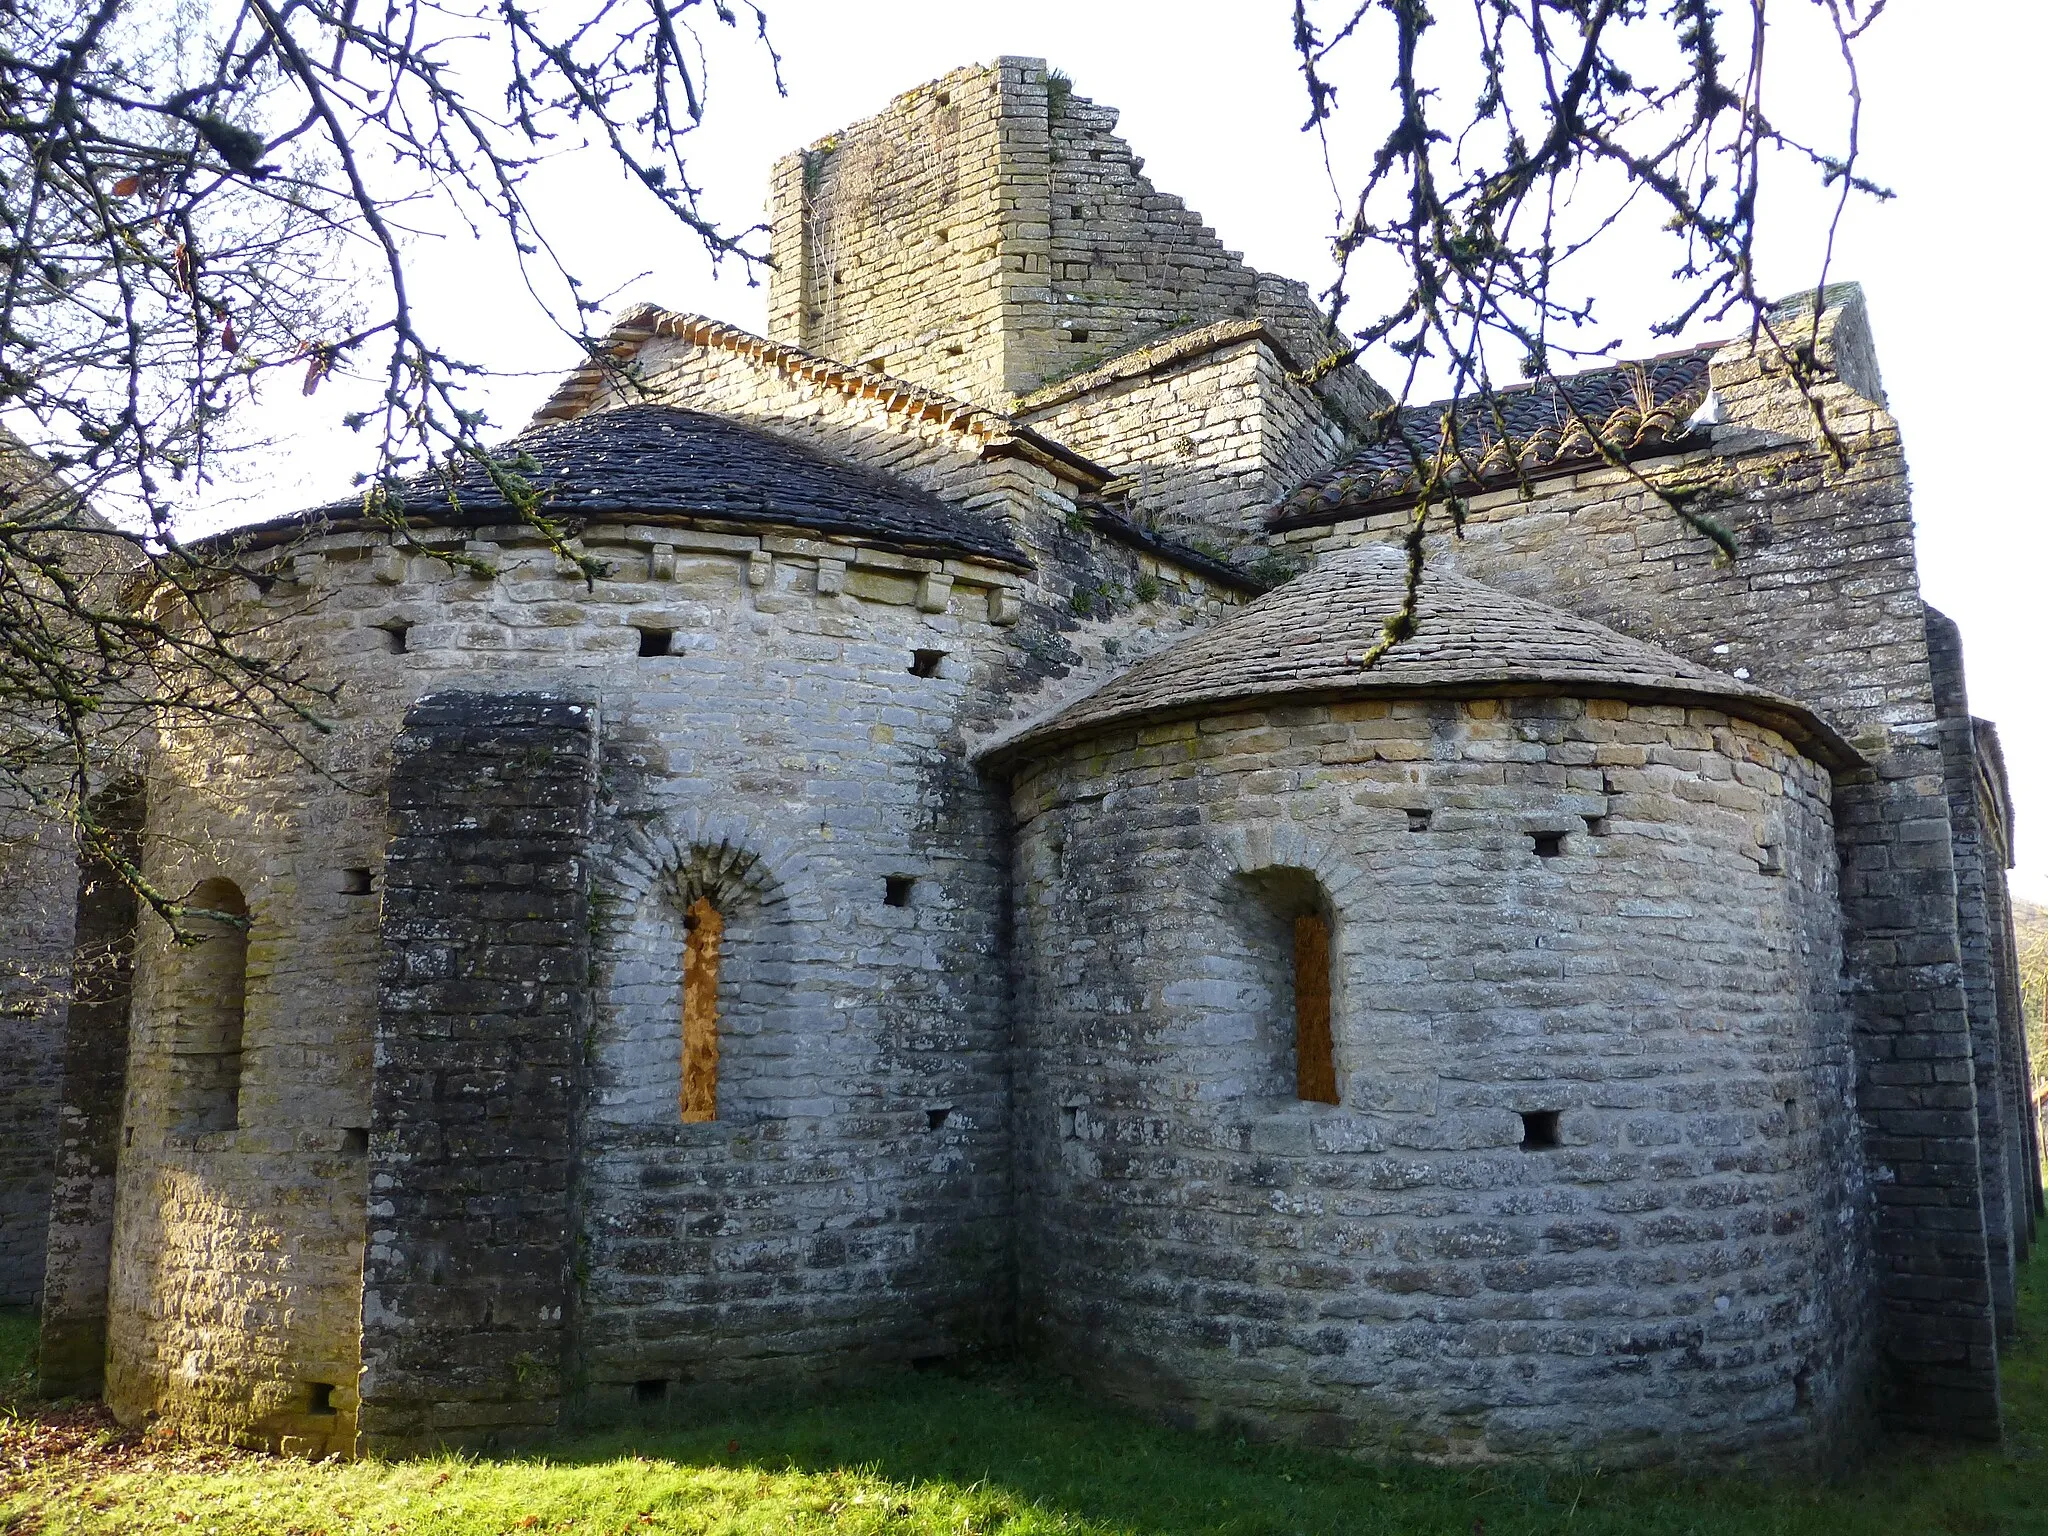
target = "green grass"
x: 17, y: 1351
x: 1015, y: 1453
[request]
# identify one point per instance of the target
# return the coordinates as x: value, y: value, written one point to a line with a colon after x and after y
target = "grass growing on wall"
x: 1011, y: 1453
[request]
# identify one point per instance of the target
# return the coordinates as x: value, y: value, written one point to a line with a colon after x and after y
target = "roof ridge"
x: 995, y: 432
x: 1553, y: 425
x: 1522, y: 386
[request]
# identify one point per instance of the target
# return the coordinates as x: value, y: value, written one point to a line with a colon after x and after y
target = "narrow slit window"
x: 704, y: 931
x: 1315, y: 1059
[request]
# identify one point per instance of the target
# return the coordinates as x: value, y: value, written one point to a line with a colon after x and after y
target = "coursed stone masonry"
x: 1675, y: 1046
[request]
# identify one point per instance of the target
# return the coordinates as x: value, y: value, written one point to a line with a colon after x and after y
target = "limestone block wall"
x: 801, y: 717
x: 1204, y: 437
x: 233, y: 1306
x: 1824, y: 606
x: 891, y: 237
x: 38, y: 876
x: 1683, y: 1275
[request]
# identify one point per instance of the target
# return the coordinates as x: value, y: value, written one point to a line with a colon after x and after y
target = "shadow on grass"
x: 17, y: 1352
x: 1047, y: 1444
x: 1011, y: 1449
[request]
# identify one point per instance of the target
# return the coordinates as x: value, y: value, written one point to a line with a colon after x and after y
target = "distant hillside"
x: 2031, y: 921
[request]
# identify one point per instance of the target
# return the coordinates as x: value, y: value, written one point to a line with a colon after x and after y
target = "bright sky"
x: 1210, y: 98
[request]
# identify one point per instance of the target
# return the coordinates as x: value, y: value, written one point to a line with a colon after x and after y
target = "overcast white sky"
x: 1954, y: 114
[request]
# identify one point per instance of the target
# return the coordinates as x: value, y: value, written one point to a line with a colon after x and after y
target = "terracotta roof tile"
x: 1639, y: 408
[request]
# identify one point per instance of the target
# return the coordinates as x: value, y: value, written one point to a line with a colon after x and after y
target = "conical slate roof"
x: 646, y: 460
x: 1306, y: 642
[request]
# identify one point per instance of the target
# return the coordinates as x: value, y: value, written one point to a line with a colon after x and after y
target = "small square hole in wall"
x: 1077, y: 212
x: 394, y: 637
x: 653, y: 1389
x: 1596, y: 826
x: 355, y: 1140
x: 1539, y: 1130
x: 357, y: 882
x: 1418, y: 821
x: 1770, y: 859
x: 655, y: 642
x: 926, y: 663
x: 935, y: 1118
x: 896, y: 890
x: 1548, y: 844
x: 320, y: 1397
x: 1077, y: 334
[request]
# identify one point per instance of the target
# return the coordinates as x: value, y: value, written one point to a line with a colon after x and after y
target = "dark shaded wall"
x: 72, y: 1350
x: 38, y: 874
x: 482, y: 1005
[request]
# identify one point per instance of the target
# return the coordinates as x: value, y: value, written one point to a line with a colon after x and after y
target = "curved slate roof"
x: 654, y: 459
x: 1640, y: 409
x: 1305, y: 643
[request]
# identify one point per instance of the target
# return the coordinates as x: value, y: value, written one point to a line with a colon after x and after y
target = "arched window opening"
x: 695, y: 1019
x: 212, y: 986
x: 704, y: 933
x: 1315, y: 1058
x: 1287, y: 926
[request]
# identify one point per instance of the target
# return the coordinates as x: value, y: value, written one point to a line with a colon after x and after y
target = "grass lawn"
x: 1008, y: 1452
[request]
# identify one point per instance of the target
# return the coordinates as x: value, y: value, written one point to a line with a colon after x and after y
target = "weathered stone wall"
x: 892, y: 238
x: 1979, y: 863
x: 1205, y: 433
x: 1823, y: 606
x: 38, y: 875
x: 851, y: 1208
x: 236, y: 1271
x: 1684, y: 1276
x: 483, y: 1006
x: 71, y: 1347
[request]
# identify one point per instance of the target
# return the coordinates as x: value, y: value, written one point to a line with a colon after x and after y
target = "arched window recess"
x: 1300, y: 914
x: 209, y: 996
